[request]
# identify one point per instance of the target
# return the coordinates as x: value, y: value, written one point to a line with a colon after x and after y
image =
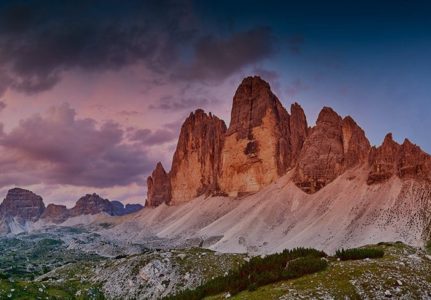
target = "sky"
x: 93, y: 93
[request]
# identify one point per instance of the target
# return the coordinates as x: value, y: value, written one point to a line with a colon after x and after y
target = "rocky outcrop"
x: 334, y: 145
x: 413, y: 162
x: 258, y: 144
x: 405, y: 161
x: 196, y: 162
x: 298, y: 130
x: 158, y: 187
x: 22, y: 205
x: 119, y: 209
x: 356, y: 146
x: 91, y: 204
x: 55, y: 213
x: 130, y: 209
x: 383, y: 160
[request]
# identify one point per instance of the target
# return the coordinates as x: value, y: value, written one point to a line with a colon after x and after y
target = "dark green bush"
x: 303, y: 266
x: 260, y: 271
x: 359, y: 253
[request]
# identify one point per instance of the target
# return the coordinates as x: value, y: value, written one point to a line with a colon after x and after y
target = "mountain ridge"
x: 263, y: 142
x: 23, y: 207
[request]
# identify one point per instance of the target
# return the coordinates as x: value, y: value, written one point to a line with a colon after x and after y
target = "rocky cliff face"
x: 196, y: 162
x: 262, y: 141
x: 159, y: 187
x: 55, y: 213
x: 23, y: 205
x: 91, y: 204
x: 405, y: 161
x: 334, y: 145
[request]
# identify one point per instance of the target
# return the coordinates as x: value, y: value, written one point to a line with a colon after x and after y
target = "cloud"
x: 216, y: 57
x: 295, y: 87
x: 2, y: 105
x: 40, y: 40
x: 156, y: 137
x: 59, y: 148
x: 171, y: 103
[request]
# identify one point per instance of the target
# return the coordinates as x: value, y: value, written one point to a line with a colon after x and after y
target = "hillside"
x: 346, y: 213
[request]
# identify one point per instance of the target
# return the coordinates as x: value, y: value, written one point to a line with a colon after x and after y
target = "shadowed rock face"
x: 23, y: 205
x: 383, y: 160
x: 405, y: 161
x: 196, y: 162
x: 334, y: 145
x: 298, y: 130
x: 159, y: 187
x: 321, y: 158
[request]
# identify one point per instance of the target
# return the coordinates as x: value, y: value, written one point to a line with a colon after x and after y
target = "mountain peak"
x: 158, y: 187
x: 196, y: 161
x: 328, y: 115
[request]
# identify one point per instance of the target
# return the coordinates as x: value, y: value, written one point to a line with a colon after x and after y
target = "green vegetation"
x: 26, y: 258
x: 359, y: 253
x: 355, y: 279
x: 259, y: 271
x: 25, y: 290
x: 428, y: 246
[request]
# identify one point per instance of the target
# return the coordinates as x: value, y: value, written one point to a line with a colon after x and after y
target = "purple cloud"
x: 59, y: 148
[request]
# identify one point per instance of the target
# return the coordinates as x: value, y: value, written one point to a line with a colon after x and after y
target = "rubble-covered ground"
x: 58, y: 264
x: 77, y: 263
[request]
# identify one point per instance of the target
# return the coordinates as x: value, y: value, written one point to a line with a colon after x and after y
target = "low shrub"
x: 359, y: 253
x: 303, y: 266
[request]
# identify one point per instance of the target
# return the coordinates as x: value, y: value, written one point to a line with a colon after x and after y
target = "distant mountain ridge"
x: 264, y: 142
x: 22, y: 206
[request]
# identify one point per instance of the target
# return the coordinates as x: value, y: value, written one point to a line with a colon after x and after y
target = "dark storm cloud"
x: 216, y: 57
x: 39, y: 40
x: 60, y: 148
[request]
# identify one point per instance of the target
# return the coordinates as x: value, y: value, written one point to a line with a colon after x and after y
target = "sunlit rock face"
x: 258, y: 145
x: 159, y: 187
x: 196, y: 162
x: 334, y: 145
